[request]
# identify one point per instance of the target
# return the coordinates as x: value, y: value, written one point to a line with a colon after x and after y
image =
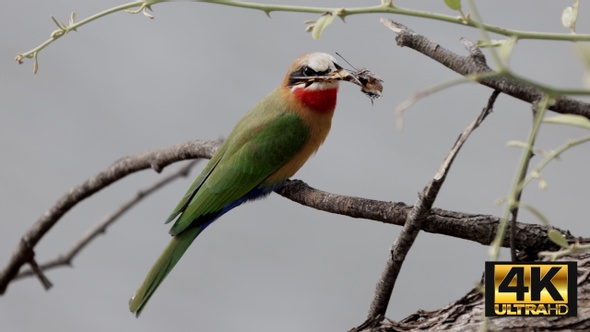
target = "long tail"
x: 162, y: 267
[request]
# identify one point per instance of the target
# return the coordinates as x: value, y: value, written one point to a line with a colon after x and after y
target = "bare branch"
x: 157, y: 160
x: 475, y: 64
x: 478, y: 228
x: 65, y: 258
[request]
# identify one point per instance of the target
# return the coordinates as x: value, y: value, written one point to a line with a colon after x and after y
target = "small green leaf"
x: 490, y: 43
x: 556, y: 237
x: 536, y: 213
x: 321, y: 24
x: 583, y: 51
x: 517, y: 144
x: 453, y: 4
x: 569, y: 16
x: 570, y: 120
x: 506, y: 47
x: 543, y: 184
x: 73, y: 18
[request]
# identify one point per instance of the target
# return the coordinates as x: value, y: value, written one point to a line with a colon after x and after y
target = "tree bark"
x: 467, y: 313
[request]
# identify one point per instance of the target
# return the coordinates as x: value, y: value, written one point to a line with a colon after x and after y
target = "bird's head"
x: 313, y: 80
x: 315, y: 71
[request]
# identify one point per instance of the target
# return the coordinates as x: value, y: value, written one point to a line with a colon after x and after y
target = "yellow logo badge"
x: 531, y: 289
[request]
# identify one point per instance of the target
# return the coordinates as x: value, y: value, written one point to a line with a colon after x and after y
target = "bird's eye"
x: 306, y: 71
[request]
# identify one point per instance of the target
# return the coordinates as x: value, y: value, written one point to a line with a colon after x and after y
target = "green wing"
x: 192, y: 190
x: 249, y: 155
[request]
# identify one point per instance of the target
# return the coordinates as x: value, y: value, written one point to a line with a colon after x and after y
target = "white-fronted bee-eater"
x: 267, y: 146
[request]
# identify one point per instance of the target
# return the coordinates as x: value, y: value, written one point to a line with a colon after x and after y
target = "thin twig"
x: 514, y: 210
x: 38, y: 272
x: 66, y: 258
x: 513, y: 197
x: 417, y: 215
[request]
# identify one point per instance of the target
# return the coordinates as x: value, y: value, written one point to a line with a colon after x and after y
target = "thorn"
x: 55, y: 21
x: 35, y: 63
x: 147, y: 7
x: 156, y: 167
x: 341, y: 13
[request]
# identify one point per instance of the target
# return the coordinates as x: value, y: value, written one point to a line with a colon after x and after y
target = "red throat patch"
x: 322, y: 101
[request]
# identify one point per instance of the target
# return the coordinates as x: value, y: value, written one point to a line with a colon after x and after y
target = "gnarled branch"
x: 475, y: 64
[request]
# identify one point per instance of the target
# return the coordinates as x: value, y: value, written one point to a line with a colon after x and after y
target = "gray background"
x: 124, y: 84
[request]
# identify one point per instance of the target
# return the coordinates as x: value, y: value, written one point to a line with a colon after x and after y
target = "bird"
x: 268, y: 145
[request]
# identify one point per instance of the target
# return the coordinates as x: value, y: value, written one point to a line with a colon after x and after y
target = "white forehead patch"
x: 320, y: 62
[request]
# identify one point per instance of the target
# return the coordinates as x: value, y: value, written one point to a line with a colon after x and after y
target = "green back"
x: 266, y: 138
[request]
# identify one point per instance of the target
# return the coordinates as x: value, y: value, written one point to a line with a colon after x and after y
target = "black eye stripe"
x: 306, y: 74
x: 306, y: 71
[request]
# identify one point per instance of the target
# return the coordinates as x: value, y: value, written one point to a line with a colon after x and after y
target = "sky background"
x: 124, y: 84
